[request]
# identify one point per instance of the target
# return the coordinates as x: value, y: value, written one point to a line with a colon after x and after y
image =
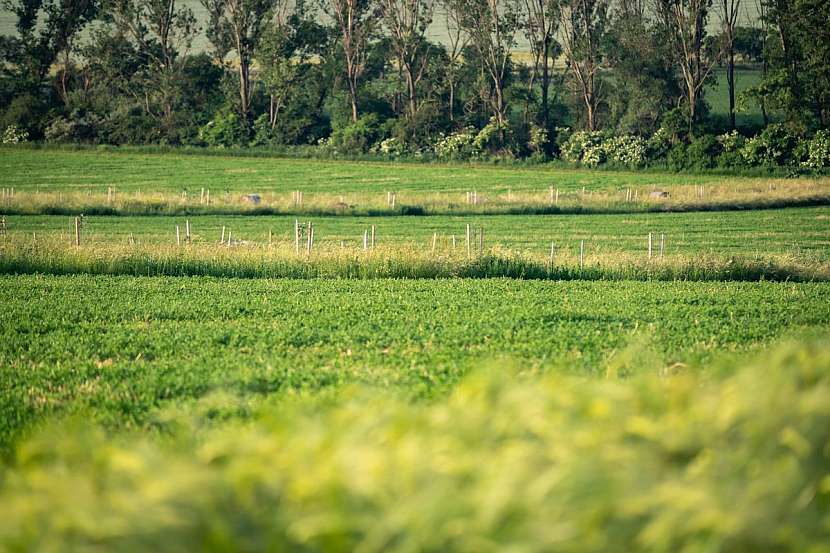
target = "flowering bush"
x: 818, y: 151
x: 731, y: 141
x: 584, y: 147
x: 539, y: 139
x: 458, y: 145
x: 488, y: 137
x: 391, y: 147
x: 14, y: 135
x: 626, y: 149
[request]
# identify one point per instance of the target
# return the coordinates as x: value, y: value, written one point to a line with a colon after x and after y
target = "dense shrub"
x: 677, y: 159
x: 79, y: 126
x: 391, y: 147
x: 538, y: 141
x: 659, y: 144
x: 773, y: 146
x: 494, y: 138
x: 357, y: 137
x: 224, y: 130
x: 703, y: 152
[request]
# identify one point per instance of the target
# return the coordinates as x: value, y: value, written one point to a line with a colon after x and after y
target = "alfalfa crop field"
x: 217, y: 353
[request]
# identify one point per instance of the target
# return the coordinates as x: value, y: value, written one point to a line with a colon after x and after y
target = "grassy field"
x: 249, y: 397
x: 30, y: 169
x: 121, y: 183
x: 798, y: 232
x: 117, y: 349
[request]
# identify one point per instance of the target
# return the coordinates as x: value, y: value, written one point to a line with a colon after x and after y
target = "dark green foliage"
x: 703, y: 153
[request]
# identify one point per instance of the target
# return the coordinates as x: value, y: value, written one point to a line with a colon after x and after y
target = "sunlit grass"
x: 50, y: 256
x: 474, y: 199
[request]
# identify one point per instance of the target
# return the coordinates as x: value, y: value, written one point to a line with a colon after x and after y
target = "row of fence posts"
x: 473, y: 237
x: 650, y: 244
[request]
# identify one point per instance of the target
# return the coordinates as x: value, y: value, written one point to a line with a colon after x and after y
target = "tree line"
x: 361, y: 75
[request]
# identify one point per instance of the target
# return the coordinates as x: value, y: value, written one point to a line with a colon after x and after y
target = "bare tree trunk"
x: 546, y: 86
x: 244, y: 88
x: 353, y: 98
x: 728, y: 12
x: 730, y: 81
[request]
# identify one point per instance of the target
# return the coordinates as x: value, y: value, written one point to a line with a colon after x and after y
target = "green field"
x: 28, y: 169
x: 181, y: 398
x: 118, y: 349
x: 803, y: 233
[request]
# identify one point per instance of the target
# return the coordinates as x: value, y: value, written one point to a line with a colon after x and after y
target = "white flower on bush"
x: 486, y: 135
x: 818, y: 151
x: 390, y: 147
x: 584, y: 147
x: 731, y: 141
x: 14, y: 135
x: 456, y: 145
x: 626, y: 149
x: 538, y: 138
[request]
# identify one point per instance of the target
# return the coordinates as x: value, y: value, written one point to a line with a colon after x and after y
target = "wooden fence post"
x: 77, y: 231
x: 581, y: 254
x: 467, y: 243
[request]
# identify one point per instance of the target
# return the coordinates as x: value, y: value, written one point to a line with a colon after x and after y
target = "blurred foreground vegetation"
x: 736, y: 461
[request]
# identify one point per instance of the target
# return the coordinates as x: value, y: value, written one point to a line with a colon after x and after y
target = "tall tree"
x: 583, y: 30
x: 46, y: 30
x: 457, y: 40
x: 287, y: 46
x: 237, y: 26
x: 645, y: 83
x: 355, y: 21
x: 163, y: 33
x: 798, y: 81
x: 492, y: 26
x: 728, y: 11
x: 406, y: 22
x: 542, y: 19
x: 685, y: 22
